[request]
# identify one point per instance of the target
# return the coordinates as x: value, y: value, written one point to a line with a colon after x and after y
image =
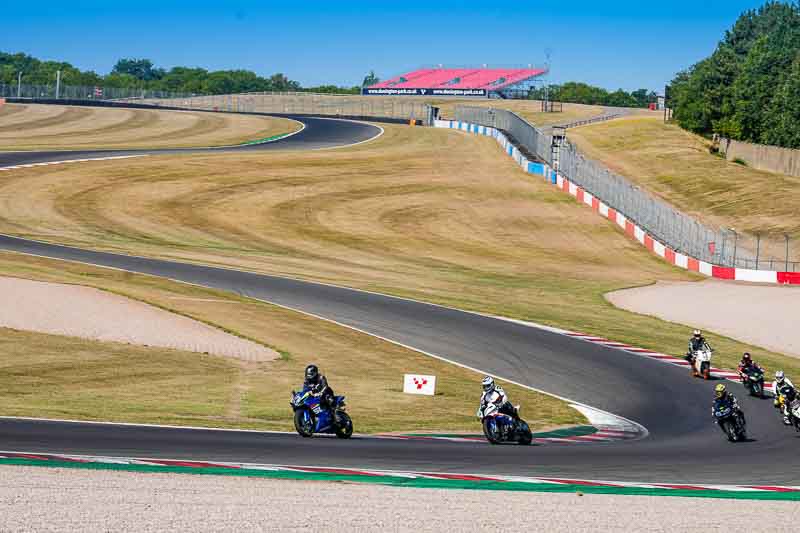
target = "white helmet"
x: 696, y: 333
x: 779, y: 376
x: 488, y: 383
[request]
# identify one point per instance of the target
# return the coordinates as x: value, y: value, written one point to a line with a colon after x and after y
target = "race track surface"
x: 683, y: 446
x: 318, y: 133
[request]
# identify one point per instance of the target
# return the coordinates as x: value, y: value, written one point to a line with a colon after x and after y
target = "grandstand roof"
x: 490, y: 79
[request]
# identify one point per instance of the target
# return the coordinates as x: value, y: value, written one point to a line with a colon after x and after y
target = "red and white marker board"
x: 418, y: 384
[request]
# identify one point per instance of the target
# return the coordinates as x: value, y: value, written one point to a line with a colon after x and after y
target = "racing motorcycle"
x: 310, y: 417
x: 753, y: 380
x: 730, y: 420
x: 700, y: 361
x: 500, y: 427
x: 788, y: 396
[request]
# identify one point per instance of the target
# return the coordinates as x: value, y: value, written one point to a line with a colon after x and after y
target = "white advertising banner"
x: 417, y: 384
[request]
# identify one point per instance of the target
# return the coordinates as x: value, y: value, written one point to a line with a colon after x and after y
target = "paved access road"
x: 683, y: 446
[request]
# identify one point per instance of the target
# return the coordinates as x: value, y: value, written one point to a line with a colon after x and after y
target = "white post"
x: 19, y: 85
x: 58, y: 84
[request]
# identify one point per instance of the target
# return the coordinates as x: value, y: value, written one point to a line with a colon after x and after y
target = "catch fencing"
x: 87, y: 93
x: 681, y: 232
x: 294, y: 103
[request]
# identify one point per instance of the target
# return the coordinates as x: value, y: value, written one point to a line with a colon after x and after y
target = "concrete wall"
x: 763, y: 157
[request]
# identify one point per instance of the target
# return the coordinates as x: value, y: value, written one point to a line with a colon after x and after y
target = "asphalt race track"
x: 318, y: 133
x: 684, y: 446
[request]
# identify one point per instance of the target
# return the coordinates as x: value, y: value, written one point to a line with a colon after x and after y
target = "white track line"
x: 593, y: 414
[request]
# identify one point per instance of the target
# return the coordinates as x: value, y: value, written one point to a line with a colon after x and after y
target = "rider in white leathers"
x: 782, y: 381
x: 494, y: 394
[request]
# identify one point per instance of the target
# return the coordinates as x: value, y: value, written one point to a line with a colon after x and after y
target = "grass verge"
x: 57, y: 127
x: 53, y: 376
x: 435, y: 215
x: 678, y: 167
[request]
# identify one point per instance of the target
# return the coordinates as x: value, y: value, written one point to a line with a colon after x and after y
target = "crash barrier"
x: 633, y: 230
x: 724, y: 247
x: 134, y: 105
x: 291, y: 103
x: 762, y: 157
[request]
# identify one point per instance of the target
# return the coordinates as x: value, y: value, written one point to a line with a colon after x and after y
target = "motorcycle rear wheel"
x: 344, y: 425
x: 305, y: 428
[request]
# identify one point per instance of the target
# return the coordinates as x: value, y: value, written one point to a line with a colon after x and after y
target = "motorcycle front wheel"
x: 344, y: 425
x: 304, y: 423
x: 490, y: 430
x: 526, y: 437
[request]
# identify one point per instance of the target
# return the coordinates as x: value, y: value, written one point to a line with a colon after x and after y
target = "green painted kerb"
x: 266, y: 139
x: 398, y: 481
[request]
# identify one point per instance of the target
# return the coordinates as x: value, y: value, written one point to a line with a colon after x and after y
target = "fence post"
x: 786, y: 236
x: 735, y: 245
x: 758, y: 248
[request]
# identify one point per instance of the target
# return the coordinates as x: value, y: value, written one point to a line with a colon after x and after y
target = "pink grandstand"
x: 458, y: 81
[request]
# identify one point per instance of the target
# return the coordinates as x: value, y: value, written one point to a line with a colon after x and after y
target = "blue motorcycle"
x: 310, y: 417
x: 500, y: 428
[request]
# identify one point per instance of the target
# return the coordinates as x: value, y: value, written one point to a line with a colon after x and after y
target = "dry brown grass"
x: 47, y: 127
x: 677, y: 166
x: 53, y: 376
x: 436, y: 215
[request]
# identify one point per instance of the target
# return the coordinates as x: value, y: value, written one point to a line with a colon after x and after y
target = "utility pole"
x: 58, y: 84
x: 19, y: 84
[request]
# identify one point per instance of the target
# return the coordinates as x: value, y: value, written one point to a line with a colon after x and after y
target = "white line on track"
x: 593, y: 414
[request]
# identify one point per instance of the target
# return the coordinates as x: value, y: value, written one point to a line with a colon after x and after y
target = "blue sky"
x: 612, y: 44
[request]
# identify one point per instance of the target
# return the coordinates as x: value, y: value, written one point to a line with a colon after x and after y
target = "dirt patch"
x: 766, y: 316
x: 98, y: 315
x: 56, y: 499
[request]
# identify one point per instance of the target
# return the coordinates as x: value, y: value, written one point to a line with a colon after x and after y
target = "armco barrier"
x: 618, y: 218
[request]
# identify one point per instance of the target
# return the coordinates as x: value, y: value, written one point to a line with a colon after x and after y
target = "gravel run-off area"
x: 54, y: 499
x: 763, y: 315
x: 90, y: 313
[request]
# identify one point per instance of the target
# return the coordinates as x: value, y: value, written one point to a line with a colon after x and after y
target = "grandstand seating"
x: 460, y: 78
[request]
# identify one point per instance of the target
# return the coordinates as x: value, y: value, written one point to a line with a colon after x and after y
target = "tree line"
x: 143, y: 74
x: 749, y: 88
x: 581, y: 93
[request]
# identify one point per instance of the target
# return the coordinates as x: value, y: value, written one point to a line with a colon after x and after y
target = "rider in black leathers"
x: 319, y: 387
x: 721, y: 394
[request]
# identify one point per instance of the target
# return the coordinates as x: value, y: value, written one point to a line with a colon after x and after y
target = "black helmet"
x: 746, y: 357
x: 312, y: 372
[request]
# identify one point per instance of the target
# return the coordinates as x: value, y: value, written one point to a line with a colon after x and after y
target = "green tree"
x: 784, y: 112
x: 141, y: 69
x: 734, y: 91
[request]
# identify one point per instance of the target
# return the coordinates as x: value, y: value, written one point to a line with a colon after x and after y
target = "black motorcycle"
x: 753, y: 380
x: 730, y: 420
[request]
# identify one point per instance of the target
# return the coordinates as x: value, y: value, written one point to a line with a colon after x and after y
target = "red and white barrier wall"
x: 632, y: 230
